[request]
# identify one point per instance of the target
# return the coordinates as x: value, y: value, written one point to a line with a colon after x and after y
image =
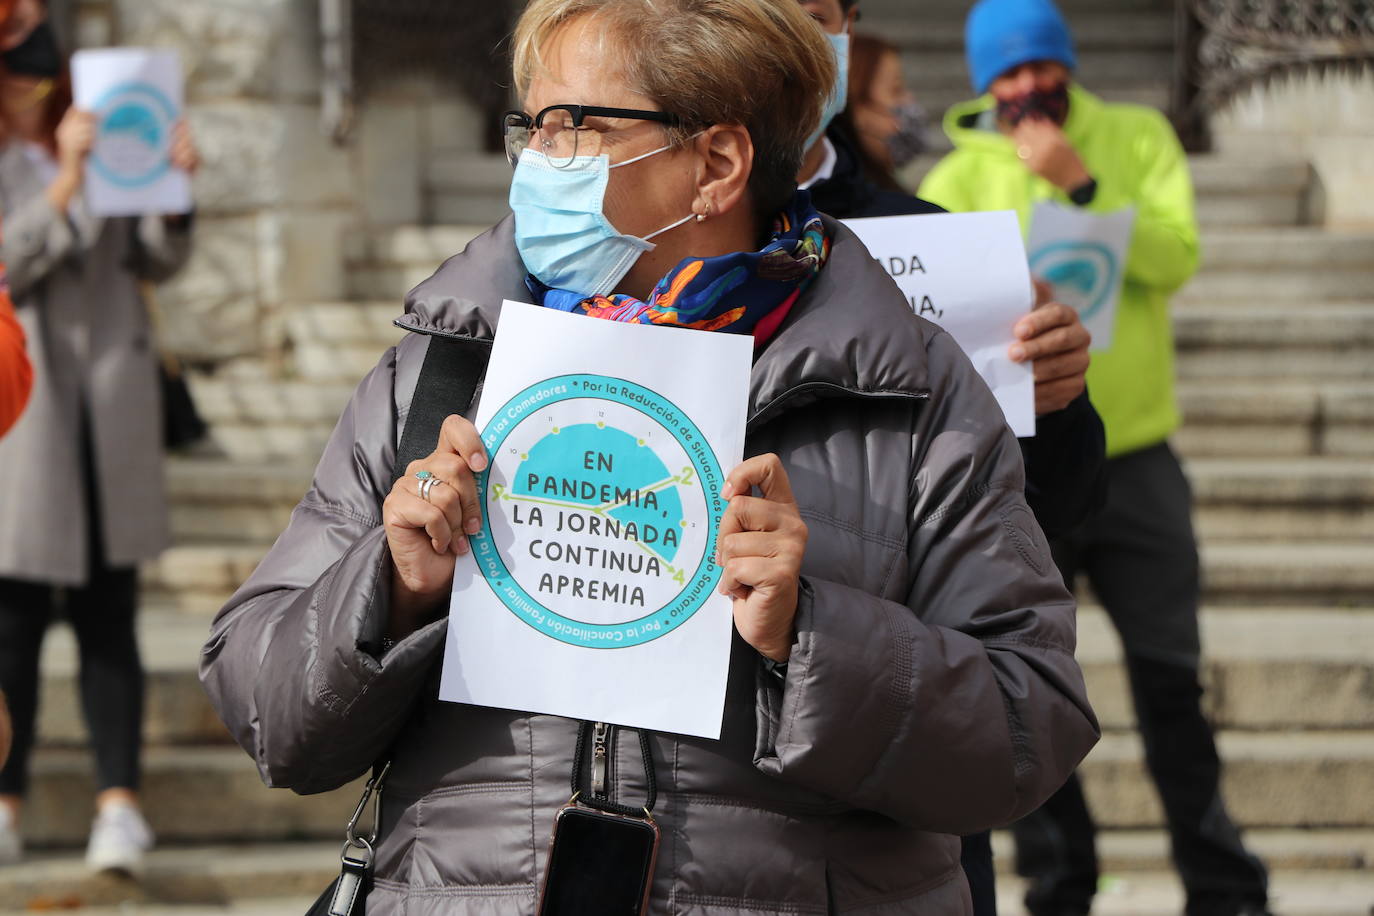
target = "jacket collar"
x: 852, y: 332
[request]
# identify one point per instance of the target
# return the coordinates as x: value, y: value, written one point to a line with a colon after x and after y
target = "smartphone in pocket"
x: 599, y: 864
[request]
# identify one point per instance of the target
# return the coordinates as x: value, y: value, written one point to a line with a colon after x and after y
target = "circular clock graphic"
x: 600, y: 513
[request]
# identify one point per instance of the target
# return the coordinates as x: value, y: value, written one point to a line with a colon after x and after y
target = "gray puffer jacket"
x: 932, y: 688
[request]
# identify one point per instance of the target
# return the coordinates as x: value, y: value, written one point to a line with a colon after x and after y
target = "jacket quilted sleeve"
x: 961, y: 707
x: 292, y: 662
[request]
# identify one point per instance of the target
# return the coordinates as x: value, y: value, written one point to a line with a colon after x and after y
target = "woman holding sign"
x: 904, y: 667
x: 81, y: 492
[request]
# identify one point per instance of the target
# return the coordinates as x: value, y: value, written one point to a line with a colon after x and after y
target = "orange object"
x: 16, y: 374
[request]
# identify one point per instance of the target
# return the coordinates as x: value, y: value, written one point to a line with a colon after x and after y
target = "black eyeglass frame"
x: 580, y: 113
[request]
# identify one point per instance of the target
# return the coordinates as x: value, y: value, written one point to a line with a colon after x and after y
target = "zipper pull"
x: 599, y: 758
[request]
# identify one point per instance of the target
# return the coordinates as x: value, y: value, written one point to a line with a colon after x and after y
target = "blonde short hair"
x: 763, y: 64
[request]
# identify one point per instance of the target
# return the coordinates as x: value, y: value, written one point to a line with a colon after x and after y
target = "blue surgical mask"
x: 562, y: 235
x: 835, y: 103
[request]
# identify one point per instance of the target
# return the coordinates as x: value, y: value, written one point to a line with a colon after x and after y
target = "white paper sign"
x: 591, y: 590
x: 967, y: 273
x: 136, y: 94
x: 1083, y: 256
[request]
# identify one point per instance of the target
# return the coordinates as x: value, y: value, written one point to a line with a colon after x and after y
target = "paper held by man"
x: 590, y: 591
x: 967, y: 273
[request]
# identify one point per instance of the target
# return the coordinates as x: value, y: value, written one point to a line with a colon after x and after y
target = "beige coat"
x: 74, y: 279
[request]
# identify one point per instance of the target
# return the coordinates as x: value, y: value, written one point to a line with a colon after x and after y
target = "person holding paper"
x: 1065, y: 459
x: 903, y: 671
x: 1036, y: 135
x: 81, y: 489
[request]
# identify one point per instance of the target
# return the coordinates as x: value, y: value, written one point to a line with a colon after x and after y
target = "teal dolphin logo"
x: 134, y: 135
x: 136, y: 121
x: 1084, y: 274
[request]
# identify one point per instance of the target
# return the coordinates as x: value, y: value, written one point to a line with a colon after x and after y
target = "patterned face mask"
x: 910, y: 139
x: 1052, y: 105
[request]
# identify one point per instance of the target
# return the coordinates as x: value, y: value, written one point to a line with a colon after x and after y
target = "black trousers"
x: 101, y: 614
x: 1140, y: 556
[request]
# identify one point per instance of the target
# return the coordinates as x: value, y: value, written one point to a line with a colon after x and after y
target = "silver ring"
x: 427, y: 487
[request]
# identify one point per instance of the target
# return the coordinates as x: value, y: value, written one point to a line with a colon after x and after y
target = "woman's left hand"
x: 183, y: 154
x: 761, y: 543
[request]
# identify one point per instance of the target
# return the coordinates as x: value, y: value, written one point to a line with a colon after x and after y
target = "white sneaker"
x: 11, y: 847
x: 119, y: 838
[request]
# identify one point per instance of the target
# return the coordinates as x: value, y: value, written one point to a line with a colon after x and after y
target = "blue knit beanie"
x: 1001, y: 34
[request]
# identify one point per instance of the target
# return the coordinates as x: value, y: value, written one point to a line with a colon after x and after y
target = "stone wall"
x: 276, y: 199
x: 1328, y: 120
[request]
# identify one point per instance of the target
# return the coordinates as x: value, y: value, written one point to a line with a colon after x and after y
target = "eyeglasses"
x: 562, y: 134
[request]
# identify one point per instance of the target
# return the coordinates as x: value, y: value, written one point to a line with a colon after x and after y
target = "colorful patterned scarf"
x: 748, y: 292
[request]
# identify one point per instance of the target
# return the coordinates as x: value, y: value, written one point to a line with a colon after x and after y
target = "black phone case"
x: 636, y: 823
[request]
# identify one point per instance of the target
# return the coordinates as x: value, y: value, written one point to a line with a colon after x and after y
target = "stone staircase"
x: 1276, y: 381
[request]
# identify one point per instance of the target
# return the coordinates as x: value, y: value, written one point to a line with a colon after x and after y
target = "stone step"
x: 234, y: 500
x: 346, y: 322
x: 1250, y: 419
x: 1335, y: 326
x: 199, y: 578
x: 274, y: 878
x: 1269, y: 780
x: 1285, y: 249
x: 220, y: 876
x: 1160, y: 894
x: 1326, y: 362
x: 1265, y: 669
x: 1290, y: 287
x: 176, y: 710
x: 1285, y: 851
x: 203, y: 794
x: 1339, y: 574
x: 1283, y: 499
x: 267, y: 401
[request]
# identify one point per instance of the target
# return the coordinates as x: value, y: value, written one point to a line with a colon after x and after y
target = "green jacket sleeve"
x: 1164, y: 242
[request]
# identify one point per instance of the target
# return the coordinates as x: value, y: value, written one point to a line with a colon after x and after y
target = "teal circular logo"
x: 133, y: 135
x: 600, y: 512
x: 1083, y: 274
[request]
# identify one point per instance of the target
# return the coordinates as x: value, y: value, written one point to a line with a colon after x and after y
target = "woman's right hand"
x: 426, y: 537
x: 75, y: 139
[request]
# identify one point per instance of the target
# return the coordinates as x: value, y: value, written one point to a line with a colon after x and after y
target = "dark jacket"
x: 932, y: 688
x: 1066, y: 459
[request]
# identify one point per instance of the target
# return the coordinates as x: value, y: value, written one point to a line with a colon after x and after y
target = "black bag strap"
x: 448, y: 380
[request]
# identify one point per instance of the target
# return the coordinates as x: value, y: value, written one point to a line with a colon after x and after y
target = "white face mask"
x: 561, y: 231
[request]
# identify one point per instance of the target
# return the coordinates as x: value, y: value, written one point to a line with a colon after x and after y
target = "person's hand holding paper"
x: 1054, y: 339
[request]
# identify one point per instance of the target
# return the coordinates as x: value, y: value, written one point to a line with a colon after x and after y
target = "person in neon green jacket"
x: 1134, y: 159
x: 1035, y: 135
